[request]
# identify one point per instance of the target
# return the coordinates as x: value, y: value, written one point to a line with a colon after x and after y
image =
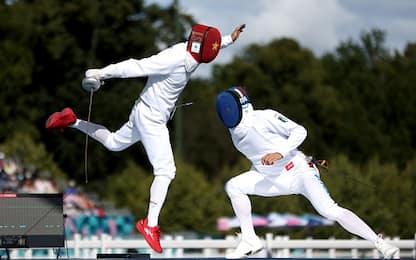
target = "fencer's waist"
x: 273, y: 169
x: 156, y: 109
x: 285, y: 164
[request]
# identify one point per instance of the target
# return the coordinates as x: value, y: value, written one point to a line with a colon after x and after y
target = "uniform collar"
x: 190, y: 63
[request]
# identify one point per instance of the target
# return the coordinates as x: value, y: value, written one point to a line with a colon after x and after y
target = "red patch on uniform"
x: 289, y: 166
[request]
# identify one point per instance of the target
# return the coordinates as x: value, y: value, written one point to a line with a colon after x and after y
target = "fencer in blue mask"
x: 270, y: 141
x: 231, y: 104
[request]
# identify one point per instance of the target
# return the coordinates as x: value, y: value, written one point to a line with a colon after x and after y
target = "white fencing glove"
x: 92, y: 80
x: 93, y: 73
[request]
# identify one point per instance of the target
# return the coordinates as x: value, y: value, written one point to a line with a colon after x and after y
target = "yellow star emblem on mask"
x: 215, y: 46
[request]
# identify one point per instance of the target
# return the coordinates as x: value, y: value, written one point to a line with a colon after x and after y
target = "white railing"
x: 178, y: 247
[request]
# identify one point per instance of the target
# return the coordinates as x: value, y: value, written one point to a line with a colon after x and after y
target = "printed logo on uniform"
x: 289, y: 166
x: 283, y: 119
x: 195, y: 47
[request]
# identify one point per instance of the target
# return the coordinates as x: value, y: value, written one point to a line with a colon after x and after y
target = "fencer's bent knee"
x: 163, y: 178
x: 232, y: 188
x: 113, y: 145
x: 168, y: 174
x: 333, y: 212
x: 167, y: 170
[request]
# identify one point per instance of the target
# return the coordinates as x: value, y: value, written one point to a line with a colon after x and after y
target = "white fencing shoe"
x: 246, y: 248
x: 385, y: 248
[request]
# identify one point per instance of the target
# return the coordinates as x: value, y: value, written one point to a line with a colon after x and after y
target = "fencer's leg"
x: 158, y: 194
x: 316, y: 192
x: 242, y: 208
x: 160, y: 156
x: 96, y: 131
x: 155, y: 139
x: 352, y: 223
x: 238, y: 188
x: 113, y: 141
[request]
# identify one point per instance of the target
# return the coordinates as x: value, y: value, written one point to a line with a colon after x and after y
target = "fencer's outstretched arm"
x: 160, y: 63
x: 229, y: 39
x: 237, y: 30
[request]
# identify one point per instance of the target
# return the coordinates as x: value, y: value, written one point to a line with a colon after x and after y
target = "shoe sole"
x: 246, y: 255
x: 391, y: 254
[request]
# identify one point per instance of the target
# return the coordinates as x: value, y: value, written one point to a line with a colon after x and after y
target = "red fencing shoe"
x: 61, y: 119
x: 150, y: 234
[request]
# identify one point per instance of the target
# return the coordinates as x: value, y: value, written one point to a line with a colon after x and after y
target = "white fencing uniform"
x: 168, y: 73
x: 261, y: 132
x: 167, y: 78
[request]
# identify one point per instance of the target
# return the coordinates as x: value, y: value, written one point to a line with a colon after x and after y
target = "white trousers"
x: 146, y: 125
x: 301, y: 178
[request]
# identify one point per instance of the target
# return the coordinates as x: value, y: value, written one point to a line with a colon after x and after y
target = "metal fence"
x: 178, y: 247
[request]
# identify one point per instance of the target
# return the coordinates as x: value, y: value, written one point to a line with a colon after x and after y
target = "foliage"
x: 129, y: 188
x: 31, y: 154
x: 376, y: 105
x: 189, y: 205
x: 357, y: 103
x: 373, y: 191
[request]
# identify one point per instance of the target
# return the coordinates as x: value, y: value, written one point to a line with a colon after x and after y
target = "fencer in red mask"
x: 167, y: 74
x: 204, y: 44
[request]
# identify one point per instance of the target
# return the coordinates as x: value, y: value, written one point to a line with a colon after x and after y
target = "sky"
x: 319, y: 25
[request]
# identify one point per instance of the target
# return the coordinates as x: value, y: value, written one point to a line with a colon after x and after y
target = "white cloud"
x: 400, y: 29
x: 314, y: 23
x: 319, y: 25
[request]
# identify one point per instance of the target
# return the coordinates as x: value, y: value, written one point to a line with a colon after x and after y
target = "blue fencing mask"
x: 230, y: 105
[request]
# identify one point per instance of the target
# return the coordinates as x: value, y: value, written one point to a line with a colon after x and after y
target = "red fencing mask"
x: 204, y: 43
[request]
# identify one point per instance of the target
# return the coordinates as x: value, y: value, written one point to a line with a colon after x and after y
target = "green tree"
x: 356, y: 102
x: 46, y: 47
x: 31, y: 154
x: 373, y: 191
x: 193, y: 203
x: 373, y: 90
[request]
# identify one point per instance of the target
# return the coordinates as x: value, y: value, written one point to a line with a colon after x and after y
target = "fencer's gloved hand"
x: 92, y: 81
x: 93, y: 73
